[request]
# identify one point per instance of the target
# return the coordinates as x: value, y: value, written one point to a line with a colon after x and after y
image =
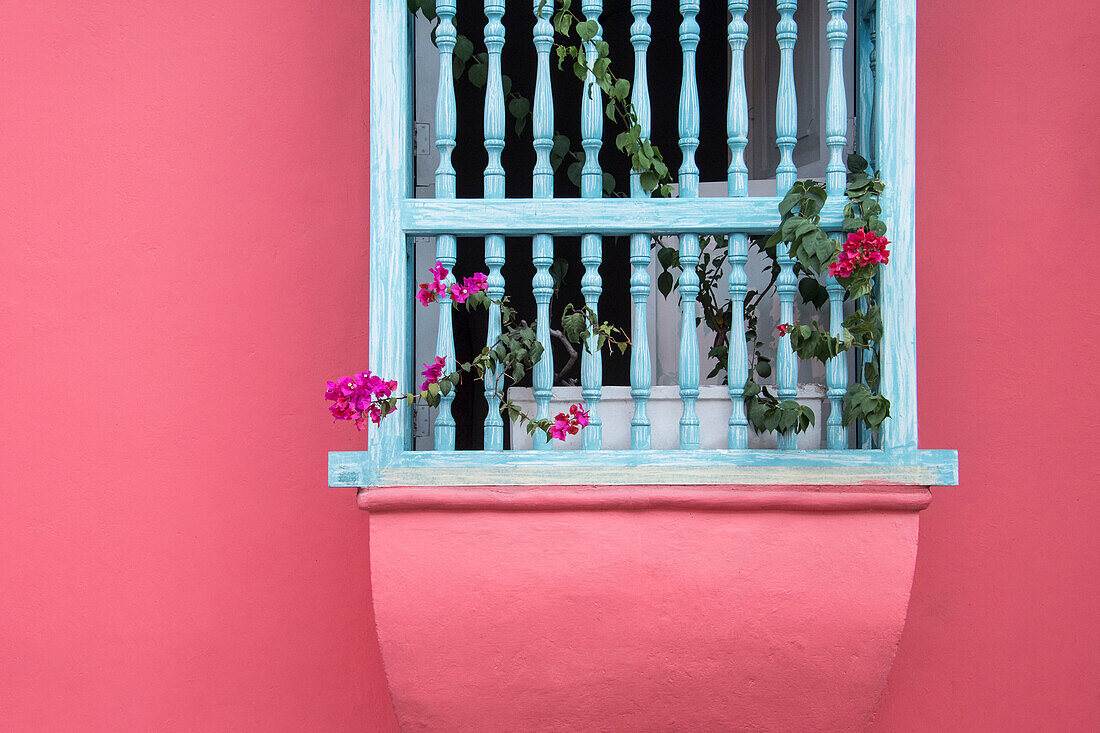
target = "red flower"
x: 861, y: 249
x: 784, y: 328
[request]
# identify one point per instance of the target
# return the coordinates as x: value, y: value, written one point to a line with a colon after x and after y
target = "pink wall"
x: 183, y: 260
x: 1004, y: 622
x: 183, y: 254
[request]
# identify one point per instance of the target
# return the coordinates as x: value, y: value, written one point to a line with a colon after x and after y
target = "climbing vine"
x: 576, y: 45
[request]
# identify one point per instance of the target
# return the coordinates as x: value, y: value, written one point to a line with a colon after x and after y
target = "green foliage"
x: 864, y: 405
x: 812, y: 249
x: 862, y: 212
x: 583, y: 327
x: 801, y: 210
x: 767, y: 413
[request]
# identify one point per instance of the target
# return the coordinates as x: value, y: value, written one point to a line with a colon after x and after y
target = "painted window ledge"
x: 909, y: 467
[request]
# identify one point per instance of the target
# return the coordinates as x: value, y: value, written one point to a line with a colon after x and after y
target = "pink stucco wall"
x: 182, y: 259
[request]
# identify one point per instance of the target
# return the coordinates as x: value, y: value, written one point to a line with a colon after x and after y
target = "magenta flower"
x: 560, y: 427
x: 460, y: 293
x: 426, y: 294
x: 439, y: 272
x: 476, y: 282
x: 569, y: 423
x: 342, y: 409
x: 433, y: 373
x: 359, y: 398
x: 348, y: 386
x: 861, y: 249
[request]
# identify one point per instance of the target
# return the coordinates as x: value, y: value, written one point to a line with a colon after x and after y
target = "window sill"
x: 361, y: 469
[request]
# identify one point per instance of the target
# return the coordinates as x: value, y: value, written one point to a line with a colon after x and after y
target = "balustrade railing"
x: 595, y: 218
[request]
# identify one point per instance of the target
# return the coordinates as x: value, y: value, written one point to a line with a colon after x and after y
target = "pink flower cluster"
x: 569, y: 424
x: 430, y: 292
x: 861, y: 249
x: 433, y: 373
x: 355, y: 398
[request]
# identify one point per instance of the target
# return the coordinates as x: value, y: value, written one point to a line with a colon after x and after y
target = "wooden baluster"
x: 542, y: 246
x: 641, y: 375
x: 494, y: 189
x: 446, y: 248
x: 786, y: 107
x: 737, y: 183
x: 786, y: 127
x: 836, y: 126
x: 689, y: 243
x: 592, y: 244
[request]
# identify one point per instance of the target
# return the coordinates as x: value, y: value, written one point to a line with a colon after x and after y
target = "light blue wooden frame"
x: 395, y: 216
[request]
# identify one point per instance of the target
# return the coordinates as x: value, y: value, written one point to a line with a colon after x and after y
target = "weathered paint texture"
x: 183, y: 202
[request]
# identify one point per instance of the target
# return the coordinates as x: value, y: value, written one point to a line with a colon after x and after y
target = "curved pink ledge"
x: 640, y: 609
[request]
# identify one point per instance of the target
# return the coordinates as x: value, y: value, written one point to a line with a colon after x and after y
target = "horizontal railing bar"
x: 635, y: 468
x: 609, y: 216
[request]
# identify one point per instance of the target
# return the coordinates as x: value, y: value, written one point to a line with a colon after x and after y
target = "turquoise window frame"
x: 395, y: 217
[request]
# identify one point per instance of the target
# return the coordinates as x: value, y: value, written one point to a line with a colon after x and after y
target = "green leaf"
x: 574, y: 172
x: 588, y: 29
x: 519, y: 107
x: 668, y: 257
x: 812, y: 292
x: 477, y: 74
x: 464, y: 48
x: 562, y: 22
x: 664, y: 283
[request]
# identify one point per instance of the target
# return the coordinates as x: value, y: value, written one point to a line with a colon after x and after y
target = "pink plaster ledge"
x: 641, y: 608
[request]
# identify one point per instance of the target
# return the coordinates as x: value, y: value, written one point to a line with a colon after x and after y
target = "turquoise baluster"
x: 836, y: 126
x: 494, y: 189
x: 786, y: 128
x: 592, y: 244
x: 737, y: 182
x: 641, y: 376
x: 542, y: 245
x: 689, y: 243
x: 446, y: 247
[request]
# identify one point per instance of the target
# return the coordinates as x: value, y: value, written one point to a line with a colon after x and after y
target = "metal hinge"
x: 421, y: 144
x: 421, y: 421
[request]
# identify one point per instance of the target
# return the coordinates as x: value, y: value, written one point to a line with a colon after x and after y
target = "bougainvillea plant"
x: 366, y: 397
x: 854, y: 264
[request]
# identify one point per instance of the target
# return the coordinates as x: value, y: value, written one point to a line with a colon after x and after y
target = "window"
x: 518, y: 222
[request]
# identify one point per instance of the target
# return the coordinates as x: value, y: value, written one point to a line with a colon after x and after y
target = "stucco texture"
x: 182, y: 261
